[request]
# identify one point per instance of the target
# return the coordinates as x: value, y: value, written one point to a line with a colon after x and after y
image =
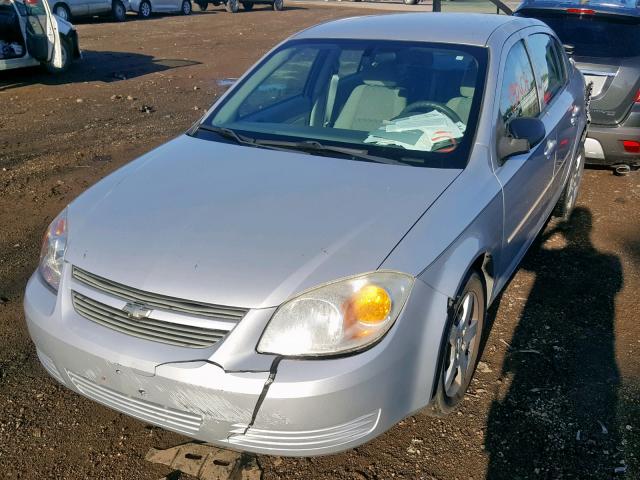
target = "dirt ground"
x: 557, y: 394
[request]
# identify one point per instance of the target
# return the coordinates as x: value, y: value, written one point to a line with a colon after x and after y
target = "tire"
x: 62, y: 11
x: 232, y: 6
x: 567, y: 200
x: 410, y: 2
x: 144, y: 10
x: 185, y: 9
x: 67, y: 57
x: 202, y: 5
x: 118, y: 11
x: 462, y: 339
x: 248, y: 6
x: 278, y: 5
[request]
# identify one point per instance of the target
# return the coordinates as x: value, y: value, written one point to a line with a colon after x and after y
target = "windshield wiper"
x: 313, y: 146
x: 228, y: 133
x: 307, y: 146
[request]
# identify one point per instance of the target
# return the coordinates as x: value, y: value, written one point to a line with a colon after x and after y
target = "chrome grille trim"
x: 154, y: 300
x: 147, y: 328
x: 172, y: 419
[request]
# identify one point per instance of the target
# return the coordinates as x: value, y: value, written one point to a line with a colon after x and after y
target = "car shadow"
x: 95, y: 66
x: 558, y: 416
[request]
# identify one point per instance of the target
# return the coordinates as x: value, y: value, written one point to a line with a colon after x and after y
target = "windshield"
x: 593, y: 35
x: 413, y: 102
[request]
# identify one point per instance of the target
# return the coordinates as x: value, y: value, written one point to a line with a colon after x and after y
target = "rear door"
x: 606, y: 48
x: 42, y: 36
x: 525, y: 178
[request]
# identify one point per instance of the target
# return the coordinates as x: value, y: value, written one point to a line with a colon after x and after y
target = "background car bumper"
x: 604, y: 144
x: 304, y: 407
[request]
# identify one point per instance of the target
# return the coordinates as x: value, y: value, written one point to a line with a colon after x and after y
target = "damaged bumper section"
x: 284, y: 406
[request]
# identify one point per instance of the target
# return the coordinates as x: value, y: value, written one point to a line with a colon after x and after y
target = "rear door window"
x: 547, y: 64
x: 518, y: 95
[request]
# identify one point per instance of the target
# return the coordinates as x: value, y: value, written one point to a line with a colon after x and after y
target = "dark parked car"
x: 603, y: 38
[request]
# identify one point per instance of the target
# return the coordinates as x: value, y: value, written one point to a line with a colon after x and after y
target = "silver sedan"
x: 313, y: 260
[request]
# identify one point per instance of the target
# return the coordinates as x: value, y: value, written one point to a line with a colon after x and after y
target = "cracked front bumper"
x: 312, y: 407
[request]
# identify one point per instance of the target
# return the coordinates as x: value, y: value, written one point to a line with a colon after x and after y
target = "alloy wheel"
x: 462, y: 346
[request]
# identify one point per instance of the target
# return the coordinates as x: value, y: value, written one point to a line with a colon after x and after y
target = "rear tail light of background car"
x: 631, y: 146
x: 637, y: 99
x: 581, y: 11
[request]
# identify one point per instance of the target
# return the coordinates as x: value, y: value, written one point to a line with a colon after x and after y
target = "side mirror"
x: 569, y: 49
x: 522, y: 134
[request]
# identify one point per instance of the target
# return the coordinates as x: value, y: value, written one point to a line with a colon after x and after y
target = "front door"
x: 42, y: 36
x: 526, y: 178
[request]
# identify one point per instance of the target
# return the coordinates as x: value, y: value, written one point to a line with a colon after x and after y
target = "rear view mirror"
x: 522, y: 134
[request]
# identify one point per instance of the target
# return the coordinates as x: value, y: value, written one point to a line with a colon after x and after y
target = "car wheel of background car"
x: 278, y: 5
x: 232, y: 6
x: 462, y: 341
x: 567, y: 199
x: 202, y: 5
x: 118, y: 11
x: 248, y: 6
x: 410, y: 2
x: 67, y: 57
x: 144, y: 10
x: 62, y: 11
x: 186, y: 7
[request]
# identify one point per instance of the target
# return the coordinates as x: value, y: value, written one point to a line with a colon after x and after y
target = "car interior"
x: 11, y: 40
x: 371, y: 93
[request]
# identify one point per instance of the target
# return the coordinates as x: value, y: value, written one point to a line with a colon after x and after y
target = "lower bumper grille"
x: 305, y: 440
x: 147, y: 328
x: 169, y: 418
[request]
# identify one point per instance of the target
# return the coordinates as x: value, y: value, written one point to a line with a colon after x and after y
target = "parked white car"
x: 66, y: 9
x: 31, y: 35
x: 145, y: 8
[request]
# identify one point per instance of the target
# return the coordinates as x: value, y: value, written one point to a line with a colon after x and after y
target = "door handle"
x: 549, y: 148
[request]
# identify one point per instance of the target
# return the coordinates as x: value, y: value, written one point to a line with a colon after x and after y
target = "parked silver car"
x: 313, y: 261
x: 68, y: 9
x: 145, y: 8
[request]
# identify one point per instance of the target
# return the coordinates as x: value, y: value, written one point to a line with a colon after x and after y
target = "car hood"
x: 242, y: 226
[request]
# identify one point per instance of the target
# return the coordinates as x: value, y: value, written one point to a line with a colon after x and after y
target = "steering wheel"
x: 425, y: 105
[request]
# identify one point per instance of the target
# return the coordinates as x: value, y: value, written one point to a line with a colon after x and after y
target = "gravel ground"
x: 557, y: 394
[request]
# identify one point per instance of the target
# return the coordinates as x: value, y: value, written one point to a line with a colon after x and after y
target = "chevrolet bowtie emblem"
x: 136, y: 311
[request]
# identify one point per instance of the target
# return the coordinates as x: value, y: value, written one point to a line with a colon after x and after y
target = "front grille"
x: 147, y: 328
x: 163, y: 302
x: 183, y: 422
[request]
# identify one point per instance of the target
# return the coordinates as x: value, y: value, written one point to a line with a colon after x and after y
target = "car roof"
x: 454, y: 28
x: 621, y: 7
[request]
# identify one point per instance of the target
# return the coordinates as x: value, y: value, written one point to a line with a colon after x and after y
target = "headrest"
x: 381, y: 71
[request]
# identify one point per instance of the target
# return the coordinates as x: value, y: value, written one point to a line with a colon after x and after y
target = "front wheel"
x: 202, y: 5
x: 186, y: 7
x: 278, y: 5
x: 248, y: 6
x: 462, y: 340
x: 66, y: 49
x: 567, y: 200
x: 232, y: 6
x: 118, y: 11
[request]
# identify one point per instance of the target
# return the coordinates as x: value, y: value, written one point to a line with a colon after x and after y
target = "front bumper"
x: 300, y: 408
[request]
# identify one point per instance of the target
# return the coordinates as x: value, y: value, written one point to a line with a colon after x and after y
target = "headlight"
x: 339, y: 317
x: 54, y: 245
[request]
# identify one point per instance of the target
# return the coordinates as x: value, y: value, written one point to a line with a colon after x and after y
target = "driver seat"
x: 377, y: 99
x: 462, y: 104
